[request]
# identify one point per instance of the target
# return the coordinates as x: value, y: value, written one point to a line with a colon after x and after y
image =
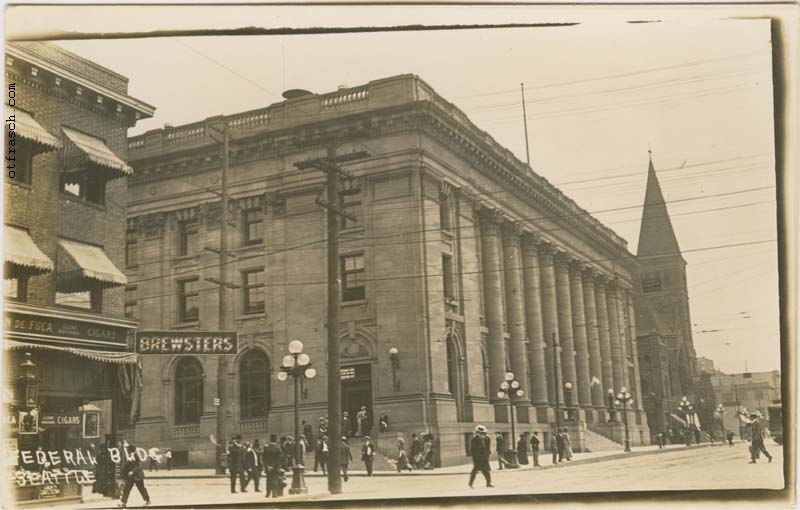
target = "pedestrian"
x: 730, y: 438
x: 308, y: 432
x: 560, y: 445
x: 480, y: 449
x: 535, y: 448
x: 696, y: 435
x: 104, y: 472
x: 168, y: 457
x: 236, y: 464
x: 253, y: 465
x: 522, y: 450
x: 361, y: 422
x: 272, y: 459
x: 427, y: 451
x: 345, y: 457
x: 322, y: 427
x: 368, y: 454
x: 402, y: 456
x: 154, y: 461
x: 383, y: 422
x: 567, y: 445
x: 554, y: 447
x: 323, y: 454
x: 416, y: 451
x: 500, y: 448
x: 133, y: 474
x: 346, y: 424
x: 757, y: 439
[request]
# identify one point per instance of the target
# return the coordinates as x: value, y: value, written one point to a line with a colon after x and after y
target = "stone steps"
x: 596, y: 442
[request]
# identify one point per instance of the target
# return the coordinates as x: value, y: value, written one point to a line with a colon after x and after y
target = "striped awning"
x: 82, y: 149
x: 128, y: 358
x: 20, y: 250
x: 79, y: 262
x: 26, y: 127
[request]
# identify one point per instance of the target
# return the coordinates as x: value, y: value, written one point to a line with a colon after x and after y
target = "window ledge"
x: 185, y: 258
x: 353, y: 303
x: 251, y: 316
x: 351, y: 230
x: 186, y: 325
x: 77, y: 200
x: 20, y: 184
x: 250, y: 246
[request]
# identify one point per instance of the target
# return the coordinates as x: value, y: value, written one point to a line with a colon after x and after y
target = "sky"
x: 694, y: 88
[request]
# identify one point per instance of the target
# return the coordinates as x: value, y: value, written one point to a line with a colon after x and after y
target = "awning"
x: 82, y: 149
x: 26, y: 127
x: 128, y: 358
x: 79, y: 262
x: 20, y: 250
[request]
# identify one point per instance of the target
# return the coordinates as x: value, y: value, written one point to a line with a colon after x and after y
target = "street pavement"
x: 676, y: 468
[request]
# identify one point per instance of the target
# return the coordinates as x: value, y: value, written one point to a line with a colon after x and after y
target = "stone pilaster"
x: 634, y: 349
x: 549, y: 319
x: 583, y: 379
x: 515, y: 308
x: 566, y: 339
x: 534, y: 320
x: 593, y: 339
x: 623, y: 335
x: 493, y: 300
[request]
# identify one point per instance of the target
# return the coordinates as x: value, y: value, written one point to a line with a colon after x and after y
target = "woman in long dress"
x: 402, y: 457
x: 427, y: 452
x: 522, y: 450
x: 361, y: 422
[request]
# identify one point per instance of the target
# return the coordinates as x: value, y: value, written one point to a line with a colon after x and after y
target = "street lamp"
x: 297, y: 364
x: 686, y: 409
x: 721, y: 412
x: 28, y: 384
x: 624, y: 399
x: 568, y: 399
x: 508, y: 388
x: 394, y: 356
x: 612, y: 414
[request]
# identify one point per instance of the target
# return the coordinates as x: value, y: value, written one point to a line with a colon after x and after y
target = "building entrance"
x: 357, y: 393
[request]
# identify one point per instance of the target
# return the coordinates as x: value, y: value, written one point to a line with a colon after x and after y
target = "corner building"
x: 463, y: 259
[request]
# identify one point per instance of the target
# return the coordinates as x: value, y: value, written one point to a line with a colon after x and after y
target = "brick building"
x: 746, y: 392
x: 64, y: 251
x: 463, y: 259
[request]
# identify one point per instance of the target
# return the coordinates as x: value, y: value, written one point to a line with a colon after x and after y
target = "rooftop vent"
x: 296, y: 93
x: 167, y: 125
x: 342, y: 87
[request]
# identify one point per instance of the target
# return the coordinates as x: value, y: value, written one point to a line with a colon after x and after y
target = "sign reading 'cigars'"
x: 187, y: 342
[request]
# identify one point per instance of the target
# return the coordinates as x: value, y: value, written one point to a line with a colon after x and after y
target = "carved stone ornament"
x: 354, y: 349
x: 152, y: 225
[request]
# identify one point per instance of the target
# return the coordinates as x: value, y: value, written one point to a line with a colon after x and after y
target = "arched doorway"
x: 356, y: 379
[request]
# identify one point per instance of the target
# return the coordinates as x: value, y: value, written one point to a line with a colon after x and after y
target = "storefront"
x: 64, y: 371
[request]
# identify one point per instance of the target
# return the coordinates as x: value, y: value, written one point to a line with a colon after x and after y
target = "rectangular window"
x: 86, y: 186
x: 445, y: 214
x: 351, y: 204
x: 253, y: 225
x: 189, y: 300
x: 131, y: 304
x: 86, y: 300
x: 16, y: 289
x: 253, y: 290
x: 22, y: 163
x: 131, y: 259
x: 352, y: 269
x: 188, y: 232
x: 447, y: 277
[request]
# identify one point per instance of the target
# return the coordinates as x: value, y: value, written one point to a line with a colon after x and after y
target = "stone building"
x: 64, y: 225
x: 666, y: 350
x: 463, y: 259
x: 746, y: 392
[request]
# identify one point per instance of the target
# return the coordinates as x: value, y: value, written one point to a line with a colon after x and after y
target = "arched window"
x: 254, y: 385
x: 188, y: 391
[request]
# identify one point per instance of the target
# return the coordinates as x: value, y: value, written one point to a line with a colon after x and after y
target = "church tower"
x: 664, y: 334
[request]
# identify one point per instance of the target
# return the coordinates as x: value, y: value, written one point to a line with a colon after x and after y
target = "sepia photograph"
x: 400, y: 255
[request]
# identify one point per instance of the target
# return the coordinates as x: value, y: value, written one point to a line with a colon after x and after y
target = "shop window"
x: 87, y: 300
x: 352, y: 269
x: 188, y: 391
x: 189, y: 299
x: 16, y: 289
x: 188, y: 237
x: 86, y: 186
x: 254, y: 385
x: 253, y: 291
x: 253, y: 226
x: 131, y: 303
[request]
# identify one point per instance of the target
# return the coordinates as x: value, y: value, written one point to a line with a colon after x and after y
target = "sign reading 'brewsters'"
x: 187, y: 342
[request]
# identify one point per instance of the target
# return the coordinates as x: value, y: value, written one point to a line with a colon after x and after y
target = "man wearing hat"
x: 368, y: 454
x: 757, y: 439
x: 236, y: 461
x: 480, y: 448
x: 345, y: 457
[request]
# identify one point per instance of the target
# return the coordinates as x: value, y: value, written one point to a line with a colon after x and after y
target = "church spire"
x: 656, y: 236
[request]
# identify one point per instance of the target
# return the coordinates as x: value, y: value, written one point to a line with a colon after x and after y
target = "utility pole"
x: 330, y: 165
x: 525, y: 123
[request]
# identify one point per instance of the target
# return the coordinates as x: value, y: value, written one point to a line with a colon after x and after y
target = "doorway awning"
x: 127, y: 358
x: 81, y: 150
x: 79, y: 262
x: 20, y: 250
x: 26, y: 127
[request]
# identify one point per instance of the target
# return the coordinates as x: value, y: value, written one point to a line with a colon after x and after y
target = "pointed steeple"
x: 656, y: 236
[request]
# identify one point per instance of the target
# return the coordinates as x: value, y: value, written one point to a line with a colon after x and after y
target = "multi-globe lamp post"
x: 720, y: 410
x: 508, y: 389
x: 297, y: 364
x: 623, y: 400
x: 687, y: 410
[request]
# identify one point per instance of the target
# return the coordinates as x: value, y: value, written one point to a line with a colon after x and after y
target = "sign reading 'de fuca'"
x: 187, y: 342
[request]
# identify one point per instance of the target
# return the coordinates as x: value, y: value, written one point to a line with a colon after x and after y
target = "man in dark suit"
x: 535, y: 448
x: 757, y: 439
x: 133, y: 474
x: 480, y: 447
x: 345, y: 457
x: 562, y: 447
x: 272, y: 459
x: 236, y: 464
x: 500, y: 447
x: 368, y: 454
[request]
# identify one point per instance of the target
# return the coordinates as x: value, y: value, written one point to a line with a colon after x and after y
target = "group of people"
x: 361, y: 425
x: 249, y: 460
x: 421, y: 455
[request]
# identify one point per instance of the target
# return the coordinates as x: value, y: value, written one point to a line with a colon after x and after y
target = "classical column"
x: 623, y: 336
x: 492, y: 268
x: 550, y: 319
x: 617, y: 366
x: 593, y: 339
x: 534, y: 320
x: 583, y: 394
x: 603, y: 330
x: 566, y: 340
x: 634, y: 349
x: 515, y: 307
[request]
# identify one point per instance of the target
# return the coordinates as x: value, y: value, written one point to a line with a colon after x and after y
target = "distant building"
x: 667, y: 358
x: 705, y: 366
x: 748, y: 392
